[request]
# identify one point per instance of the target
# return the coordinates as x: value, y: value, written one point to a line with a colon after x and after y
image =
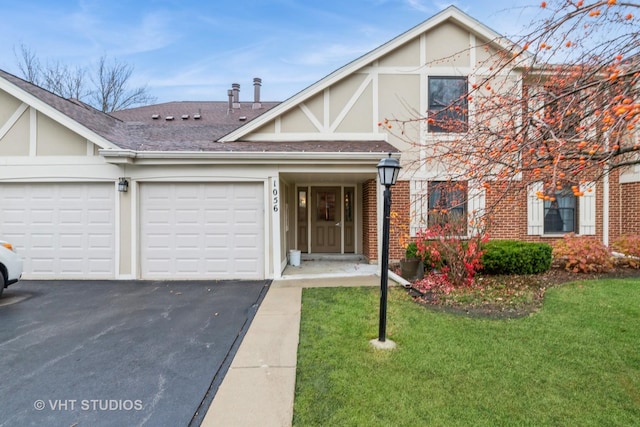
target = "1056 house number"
x: 276, y: 198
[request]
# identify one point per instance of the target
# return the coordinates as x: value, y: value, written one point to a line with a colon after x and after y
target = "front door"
x: 326, y: 222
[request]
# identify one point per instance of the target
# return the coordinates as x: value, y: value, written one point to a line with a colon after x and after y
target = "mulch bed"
x: 516, y: 296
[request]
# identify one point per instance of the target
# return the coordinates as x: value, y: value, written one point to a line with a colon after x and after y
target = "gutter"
x: 263, y: 157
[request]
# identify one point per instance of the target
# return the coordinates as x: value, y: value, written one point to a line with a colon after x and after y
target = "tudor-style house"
x: 224, y: 190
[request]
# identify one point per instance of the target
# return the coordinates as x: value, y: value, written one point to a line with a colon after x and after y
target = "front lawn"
x: 574, y: 362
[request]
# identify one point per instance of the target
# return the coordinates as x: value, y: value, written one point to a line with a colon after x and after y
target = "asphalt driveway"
x: 115, y: 353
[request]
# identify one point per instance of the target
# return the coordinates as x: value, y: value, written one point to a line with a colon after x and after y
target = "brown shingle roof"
x: 102, y: 124
x: 214, y: 121
x: 137, y: 130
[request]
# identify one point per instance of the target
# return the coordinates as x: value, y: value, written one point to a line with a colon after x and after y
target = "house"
x: 223, y: 190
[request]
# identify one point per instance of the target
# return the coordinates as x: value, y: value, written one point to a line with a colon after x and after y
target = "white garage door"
x: 62, y: 231
x: 202, y: 231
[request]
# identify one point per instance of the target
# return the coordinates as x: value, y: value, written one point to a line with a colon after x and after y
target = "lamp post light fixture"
x: 388, y: 169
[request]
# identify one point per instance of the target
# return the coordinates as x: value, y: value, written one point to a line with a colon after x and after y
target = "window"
x: 561, y: 214
x: 569, y: 213
x: 447, y: 202
x: 447, y: 104
x: 561, y: 114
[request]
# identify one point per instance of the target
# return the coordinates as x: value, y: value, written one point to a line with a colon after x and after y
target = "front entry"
x: 326, y: 220
x: 329, y: 216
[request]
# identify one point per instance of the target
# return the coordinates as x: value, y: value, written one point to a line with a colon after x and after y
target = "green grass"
x: 575, y: 362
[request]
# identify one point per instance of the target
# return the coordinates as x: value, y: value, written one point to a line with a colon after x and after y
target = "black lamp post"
x: 388, y: 169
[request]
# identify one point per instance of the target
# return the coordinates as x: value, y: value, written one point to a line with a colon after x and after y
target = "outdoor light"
x: 123, y: 185
x: 388, y: 169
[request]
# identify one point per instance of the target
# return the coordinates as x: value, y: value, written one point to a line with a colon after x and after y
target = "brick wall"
x: 400, y: 201
x: 508, y: 218
x: 369, y: 229
x: 401, y: 211
x: 624, y: 207
x: 628, y: 209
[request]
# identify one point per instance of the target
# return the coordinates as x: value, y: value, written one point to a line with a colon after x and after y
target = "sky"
x: 194, y: 50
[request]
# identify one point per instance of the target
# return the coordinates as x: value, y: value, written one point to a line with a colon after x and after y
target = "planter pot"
x: 411, y: 269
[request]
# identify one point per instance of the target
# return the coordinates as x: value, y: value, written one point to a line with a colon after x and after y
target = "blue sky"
x: 185, y: 50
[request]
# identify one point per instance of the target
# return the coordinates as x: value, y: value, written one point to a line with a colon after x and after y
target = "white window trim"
x: 419, y: 205
x: 419, y: 202
x: 586, y: 210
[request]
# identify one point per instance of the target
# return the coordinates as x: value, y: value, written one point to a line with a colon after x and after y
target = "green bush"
x: 411, y: 251
x: 515, y: 257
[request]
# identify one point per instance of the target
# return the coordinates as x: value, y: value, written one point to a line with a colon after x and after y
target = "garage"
x: 62, y: 230
x: 202, y: 230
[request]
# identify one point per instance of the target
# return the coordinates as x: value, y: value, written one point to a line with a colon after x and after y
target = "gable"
x: 56, y: 140
x: 407, y: 55
x: 447, y: 44
x: 388, y: 82
x: 27, y: 132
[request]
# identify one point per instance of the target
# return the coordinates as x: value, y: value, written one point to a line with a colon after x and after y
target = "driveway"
x: 115, y: 353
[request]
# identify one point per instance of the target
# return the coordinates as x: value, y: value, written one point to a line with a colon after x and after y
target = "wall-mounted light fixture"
x: 123, y: 185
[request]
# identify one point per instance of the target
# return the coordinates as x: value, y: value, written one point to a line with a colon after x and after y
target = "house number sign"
x: 275, y: 194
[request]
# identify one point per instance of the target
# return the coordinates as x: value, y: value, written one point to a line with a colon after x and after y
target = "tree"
x: 107, y: 88
x: 560, y: 106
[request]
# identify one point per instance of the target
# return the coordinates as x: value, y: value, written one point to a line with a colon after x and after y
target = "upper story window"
x: 448, y: 110
x: 560, y: 113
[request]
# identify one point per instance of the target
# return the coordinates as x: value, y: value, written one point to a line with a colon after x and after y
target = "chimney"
x: 230, y: 107
x: 257, y: 82
x: 235, y: 87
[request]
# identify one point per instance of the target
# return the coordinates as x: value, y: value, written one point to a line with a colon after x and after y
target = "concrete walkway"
x: 259, y: 387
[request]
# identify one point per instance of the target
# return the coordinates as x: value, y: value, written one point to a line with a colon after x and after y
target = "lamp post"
x: 388, y: 169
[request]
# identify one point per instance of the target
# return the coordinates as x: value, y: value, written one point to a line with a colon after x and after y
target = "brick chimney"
x: 235, y: 87
x: 257, y: 82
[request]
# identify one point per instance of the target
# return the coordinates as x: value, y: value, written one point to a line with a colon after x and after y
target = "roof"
x: 181, y: 125
x: 94, y: 121
x: 136, y: 129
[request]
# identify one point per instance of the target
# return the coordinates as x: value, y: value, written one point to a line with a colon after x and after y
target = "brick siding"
x: 369, y: 229
x: 508, y: 214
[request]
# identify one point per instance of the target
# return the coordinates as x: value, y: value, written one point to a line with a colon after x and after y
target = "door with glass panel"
x: 326, y: 221
x: 326, y: 216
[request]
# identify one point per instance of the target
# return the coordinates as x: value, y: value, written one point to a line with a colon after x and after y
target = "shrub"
x: 581, y: 254
x: 628, y: 245
x: 443, y: 247
x: 515, y: 257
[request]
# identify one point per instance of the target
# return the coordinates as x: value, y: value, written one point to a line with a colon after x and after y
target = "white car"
x: 10, y: 265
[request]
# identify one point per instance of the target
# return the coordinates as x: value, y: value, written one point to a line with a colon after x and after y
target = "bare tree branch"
x: 107, y: 88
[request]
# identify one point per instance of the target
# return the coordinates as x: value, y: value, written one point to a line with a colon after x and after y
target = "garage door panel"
x: 61, y: 230
x: 206, y: 226
x: 41, y: 266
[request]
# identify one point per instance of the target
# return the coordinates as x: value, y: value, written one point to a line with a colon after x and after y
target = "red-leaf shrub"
x: 628, y: 245
x: 446, y: 248
x: 581, y: 254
